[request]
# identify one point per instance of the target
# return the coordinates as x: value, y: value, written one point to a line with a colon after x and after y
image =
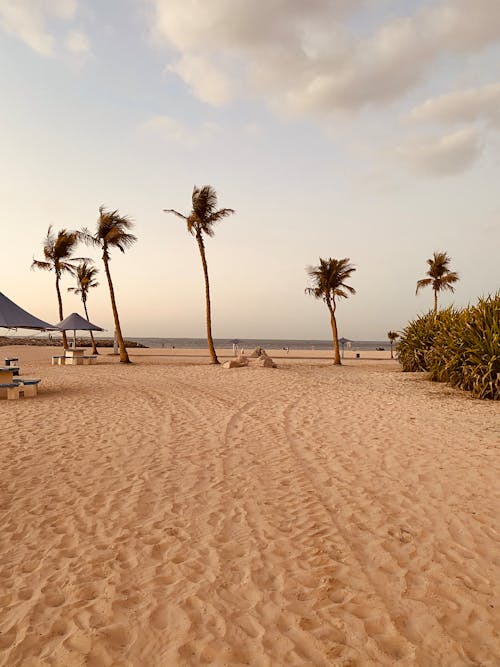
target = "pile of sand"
x: 258, y: 357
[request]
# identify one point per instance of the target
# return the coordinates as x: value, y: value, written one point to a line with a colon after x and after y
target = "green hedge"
x: 461, y: 347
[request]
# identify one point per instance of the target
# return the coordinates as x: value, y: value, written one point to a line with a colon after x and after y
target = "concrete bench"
x: 27, y: 387
x: 81, y: 361
x: 63, y: 360
x: 10, y: 389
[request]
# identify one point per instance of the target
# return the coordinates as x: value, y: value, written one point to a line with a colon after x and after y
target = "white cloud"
x: 166, y: 128
x: 304, y: 57
x: 462, y: 106
x: 446, y: 155
x: 77, y: 42
x: 210, y: 83
x: 27, y: 20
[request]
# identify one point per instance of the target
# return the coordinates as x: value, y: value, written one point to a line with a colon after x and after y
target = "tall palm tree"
x: 201, y: 221
x: 329, y: 284
x: 392, y: 335
x: 57, y: 250
x: 440, y: 276
x: 85, y: 278
x: 112, y: 232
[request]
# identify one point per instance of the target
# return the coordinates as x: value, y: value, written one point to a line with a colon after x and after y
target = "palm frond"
x: 88, y: 238
x: 43, y: 266
x: 179, y: 215
x: 219, y: 215
x: 423, y: 283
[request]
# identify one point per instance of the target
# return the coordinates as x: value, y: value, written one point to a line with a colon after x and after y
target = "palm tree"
x: 85, y: 278
x: 329, y: 283
x: 57, y: 250
x: 112, y: 232
x: 440, y: 276
x: 392, y: 335
x: 201, y: 221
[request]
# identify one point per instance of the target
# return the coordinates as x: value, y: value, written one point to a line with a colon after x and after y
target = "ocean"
x: 266, y: 343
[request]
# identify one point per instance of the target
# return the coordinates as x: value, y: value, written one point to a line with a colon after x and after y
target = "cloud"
x: 172, y: 130
x: 210, y: 83
x: 305, y: 57
x: 77, y: 42
x: 462, y: 106
x: 27, y: 20
x: 445, y: 155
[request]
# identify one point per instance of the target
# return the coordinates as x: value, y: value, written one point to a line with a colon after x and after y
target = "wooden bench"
x: 58, y: 359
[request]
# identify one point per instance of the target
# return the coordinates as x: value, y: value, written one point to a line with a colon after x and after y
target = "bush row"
x: 459, y: 346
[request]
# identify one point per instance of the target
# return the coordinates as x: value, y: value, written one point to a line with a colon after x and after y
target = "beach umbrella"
x: 76, y: 322
x: 14, y: 317
x: 342, y: 342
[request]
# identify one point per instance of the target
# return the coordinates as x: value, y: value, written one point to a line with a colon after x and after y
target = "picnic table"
x: 11, y: 362
x: 13, y: 387
x: 74, y: 356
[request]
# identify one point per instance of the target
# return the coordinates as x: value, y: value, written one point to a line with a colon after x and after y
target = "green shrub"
x: 446, y: 345
x: 475, y: 367
x: 416, y: 341
x: 461, y: 347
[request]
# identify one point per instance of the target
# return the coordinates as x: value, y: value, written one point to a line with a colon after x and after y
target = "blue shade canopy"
x: 75, y: 322
x: 14, y: 317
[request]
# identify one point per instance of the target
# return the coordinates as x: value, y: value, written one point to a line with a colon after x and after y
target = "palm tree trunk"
x: 435, y: 301
x: 391, y: 350
x: 61, y: 316
x: 333, y: 322
x: 94, y: 348
x: 121, y: 343
x: 207, y: 300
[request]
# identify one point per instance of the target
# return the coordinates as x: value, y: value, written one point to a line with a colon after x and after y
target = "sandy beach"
x: 172, y: 513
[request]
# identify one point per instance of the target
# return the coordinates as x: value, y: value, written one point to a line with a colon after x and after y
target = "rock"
x: 265, y: 362
x: 257, y: 358
x: 239, y: 362
x: 232, y: 363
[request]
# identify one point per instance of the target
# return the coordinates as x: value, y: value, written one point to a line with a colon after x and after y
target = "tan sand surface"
x: 175, y: 513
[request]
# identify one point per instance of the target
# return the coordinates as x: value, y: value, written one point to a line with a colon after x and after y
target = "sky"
x: 367, y: 129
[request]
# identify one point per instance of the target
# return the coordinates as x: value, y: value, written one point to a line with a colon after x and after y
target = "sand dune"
x: 172, y: 513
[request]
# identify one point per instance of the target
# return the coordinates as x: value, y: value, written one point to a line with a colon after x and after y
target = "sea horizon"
x: 250, y: 343
x: 192, y: 343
